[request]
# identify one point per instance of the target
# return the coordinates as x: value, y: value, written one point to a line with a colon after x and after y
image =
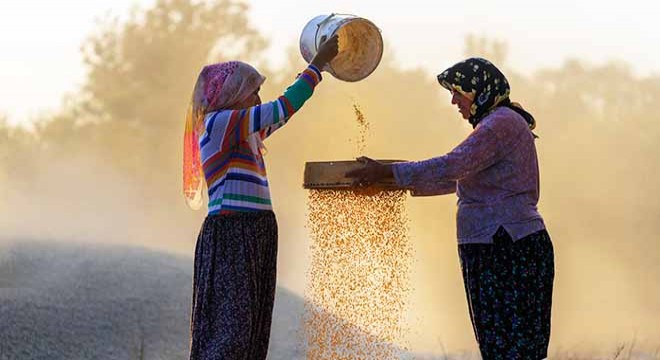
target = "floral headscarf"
x: 483, y: 83
x: 219, y: 86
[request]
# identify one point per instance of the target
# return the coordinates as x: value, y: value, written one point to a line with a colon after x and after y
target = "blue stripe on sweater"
x: 285, y: 111
x: 205, y: 140
x: 257, y: 118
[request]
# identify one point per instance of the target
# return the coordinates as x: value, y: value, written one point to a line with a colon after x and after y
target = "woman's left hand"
x: 372, y: 172
x: 326, y: 52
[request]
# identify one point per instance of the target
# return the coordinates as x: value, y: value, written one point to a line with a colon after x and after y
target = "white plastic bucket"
x: 360, y: 44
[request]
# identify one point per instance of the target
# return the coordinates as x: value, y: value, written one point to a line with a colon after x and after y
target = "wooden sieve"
x: 331, y: 175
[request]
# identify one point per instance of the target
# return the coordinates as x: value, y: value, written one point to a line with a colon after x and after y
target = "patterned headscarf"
x: 219, y: 86
x: 483, y: 83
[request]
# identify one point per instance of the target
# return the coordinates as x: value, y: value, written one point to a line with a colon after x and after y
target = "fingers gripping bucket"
x: 360, y: 44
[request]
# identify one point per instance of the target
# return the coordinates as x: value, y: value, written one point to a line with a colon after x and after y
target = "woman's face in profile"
x: 462, y: 102
x: 252, y: 100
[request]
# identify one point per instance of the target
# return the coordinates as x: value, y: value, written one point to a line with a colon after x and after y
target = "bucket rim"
x: 380, y: 55
x: 319, y: 20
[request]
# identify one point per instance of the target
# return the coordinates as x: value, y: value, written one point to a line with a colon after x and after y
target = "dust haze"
x: 106, y: 167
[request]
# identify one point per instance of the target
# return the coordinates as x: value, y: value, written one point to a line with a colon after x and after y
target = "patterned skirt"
x: 509, y: 291
x: 234, y: 286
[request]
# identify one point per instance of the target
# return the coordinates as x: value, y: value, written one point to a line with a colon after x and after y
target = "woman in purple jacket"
x: 506, y: 254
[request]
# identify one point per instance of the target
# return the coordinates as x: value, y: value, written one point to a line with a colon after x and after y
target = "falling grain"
x: 359, y: 275
x: 364, y: 128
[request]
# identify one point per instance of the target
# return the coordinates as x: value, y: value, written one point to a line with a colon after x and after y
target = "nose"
x: 258, y: 99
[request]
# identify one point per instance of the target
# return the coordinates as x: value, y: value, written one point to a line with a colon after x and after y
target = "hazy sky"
x: 41, y: 39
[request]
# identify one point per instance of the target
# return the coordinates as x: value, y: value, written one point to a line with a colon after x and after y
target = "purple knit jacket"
x: 495, y: 174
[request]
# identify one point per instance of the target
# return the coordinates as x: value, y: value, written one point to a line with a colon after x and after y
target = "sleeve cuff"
x: 311, y: 75
x: 403, y: 173
x: 415, y: 173
x: 316, y: 70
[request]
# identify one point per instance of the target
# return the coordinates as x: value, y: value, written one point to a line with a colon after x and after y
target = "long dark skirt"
x: 509, y: 290
x: 234, y: 287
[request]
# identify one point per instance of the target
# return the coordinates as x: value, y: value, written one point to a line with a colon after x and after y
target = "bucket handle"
x: 318, y: 27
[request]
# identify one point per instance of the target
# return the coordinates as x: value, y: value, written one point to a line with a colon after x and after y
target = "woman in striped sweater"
x: 236, y: 252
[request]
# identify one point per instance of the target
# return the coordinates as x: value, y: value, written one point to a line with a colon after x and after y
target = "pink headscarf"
x: 219, y: 86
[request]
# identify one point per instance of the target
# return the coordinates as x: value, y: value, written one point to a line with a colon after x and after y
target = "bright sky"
x: 41, y: 39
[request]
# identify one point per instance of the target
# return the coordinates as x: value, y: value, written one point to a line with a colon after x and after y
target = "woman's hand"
x: 327, y: 51
x: 372, y: 172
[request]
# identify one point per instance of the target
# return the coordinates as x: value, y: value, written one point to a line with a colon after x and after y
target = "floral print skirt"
x: 234, y: 286
x: 509, y: 291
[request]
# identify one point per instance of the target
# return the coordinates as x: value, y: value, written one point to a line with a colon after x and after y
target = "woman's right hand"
x: 327, y: 51
x: 372, y: 172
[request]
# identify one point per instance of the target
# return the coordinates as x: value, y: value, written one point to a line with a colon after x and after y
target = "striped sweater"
x: 235, y: 176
